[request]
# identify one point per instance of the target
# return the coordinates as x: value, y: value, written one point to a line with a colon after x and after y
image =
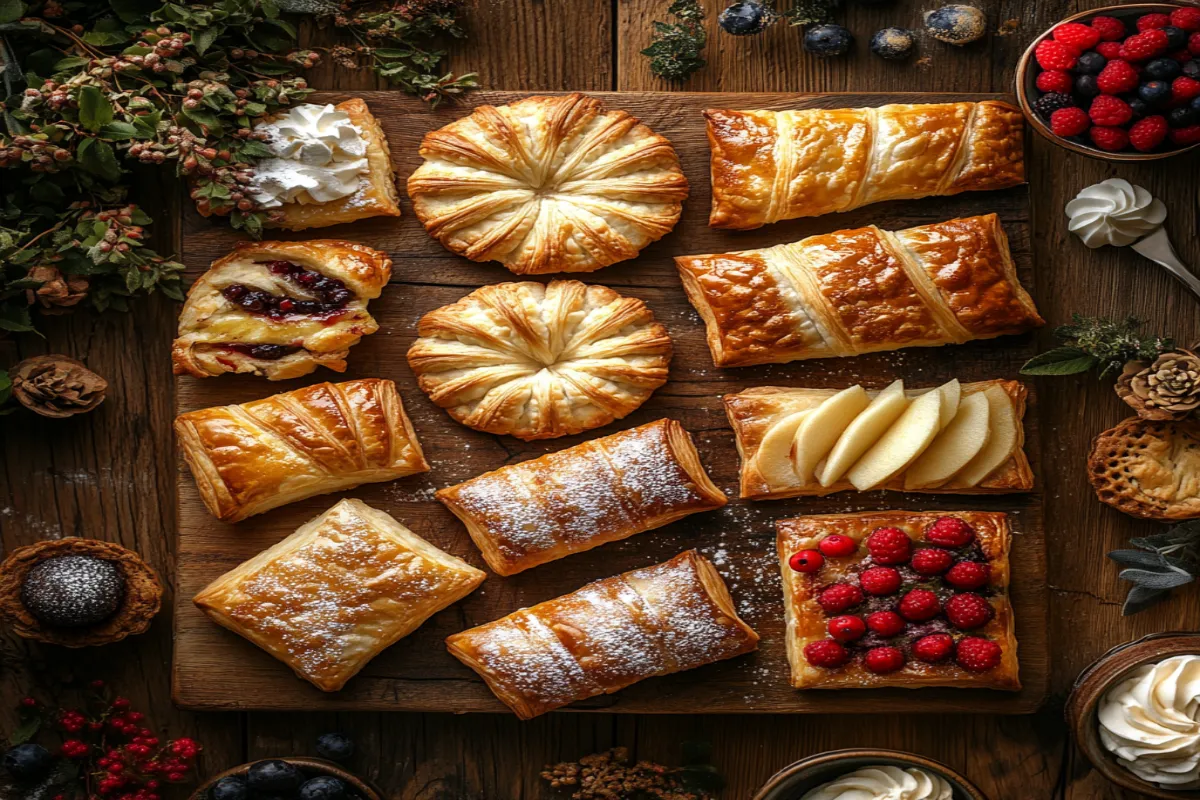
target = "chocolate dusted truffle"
x: 73, y: 591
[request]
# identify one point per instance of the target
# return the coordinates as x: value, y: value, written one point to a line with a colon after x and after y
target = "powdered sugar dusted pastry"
x: 671, y: 617
x: 547, y: 184
x: 337, y: 592
x: 600, y: 491
x: 539, y: 361
x: 774, y: 165
x: 280, y: 309
x: 323, y: 438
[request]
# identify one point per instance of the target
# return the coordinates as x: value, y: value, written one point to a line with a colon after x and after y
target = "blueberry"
x: 956, y: 24
x: 1154, y: 92
x: 335, y: 746
x: 828, y: 40
x: 746, y: 18
x: 1183, y: 116
x: 274, y: 776
x: 1192, y: 69
x: 28, y: 762
x: 1195, y: 104
x: 1163, y: 69
x: 325, y: 787
x: 231, y: 788
x: 1090, y: 63
x: 1139, y: 108
x: 893, y: 44
x: 1176, y: 37
x: 1087, y: 86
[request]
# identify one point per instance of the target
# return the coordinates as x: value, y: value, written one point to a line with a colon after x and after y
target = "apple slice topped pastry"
x: 954, y: 438
x: 280, y: 309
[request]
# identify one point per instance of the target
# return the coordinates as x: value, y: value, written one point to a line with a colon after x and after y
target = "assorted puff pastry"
x: 548, y: 184
x: 1149, y: 468
x: 774, y: 165
x: 961, y: 599
x: 607, y: 489
x: 667, y: 618
x: 859, y: 291
x: 539, y: 361
x: 337, y: 592
x: 280, y: 309
x: 253, y: 457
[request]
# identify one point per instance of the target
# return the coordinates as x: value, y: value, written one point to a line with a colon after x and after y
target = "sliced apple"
x: 954, y: 447
x: 774, y: 456
x: 820, y: 430
x: 863, y: 432
x: 1004, y: 432
x: 906, y: 439
x: 951, y: 394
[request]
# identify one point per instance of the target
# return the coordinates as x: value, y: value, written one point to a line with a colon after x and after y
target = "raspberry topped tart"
x: 898, y: 599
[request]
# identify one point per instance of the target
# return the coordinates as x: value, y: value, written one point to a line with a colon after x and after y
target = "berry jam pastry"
x: 922, y: 600
x: 280, y: 309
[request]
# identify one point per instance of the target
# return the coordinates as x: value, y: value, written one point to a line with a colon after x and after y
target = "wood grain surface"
x: 111, y: 474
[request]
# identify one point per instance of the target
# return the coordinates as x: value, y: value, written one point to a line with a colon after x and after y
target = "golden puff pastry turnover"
x: 328, y: 437
x: 280, y: 309
x: 769, y: 166
x: 603, y: 490
x: 548, y: 184
x: 337, y: 592
x: 610, y: 634
x: 859, y: 291
x: 540, y: 361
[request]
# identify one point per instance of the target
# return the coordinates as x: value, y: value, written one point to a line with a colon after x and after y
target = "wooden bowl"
x: 1094, y: 681
x: 310, y: 766
x: 791, y: 782
x: 1027, y: 70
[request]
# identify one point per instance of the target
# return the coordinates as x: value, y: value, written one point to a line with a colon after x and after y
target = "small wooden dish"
x: 310, y: 766
x: 1027, y: 89
x: 1094, y: 681
x: 791, y: 782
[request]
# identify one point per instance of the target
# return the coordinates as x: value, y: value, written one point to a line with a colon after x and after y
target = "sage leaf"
x: 1136, y: 558
x: 94, y: 109
x: 1139, y: 599
x: 1167, y: 579
x: 1059, y: 361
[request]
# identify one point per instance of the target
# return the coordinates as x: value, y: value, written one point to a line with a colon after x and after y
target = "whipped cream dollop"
x: 884, y: 783
x: 1114, y: 212
x: 1151, y: 722
x: 317, y: 149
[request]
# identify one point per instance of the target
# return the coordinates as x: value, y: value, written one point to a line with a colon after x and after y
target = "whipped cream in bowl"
x: 1114, y: 212
x: 318, y: 155
x: 884, y: 783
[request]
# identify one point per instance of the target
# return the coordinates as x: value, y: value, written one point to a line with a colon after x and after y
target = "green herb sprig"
x: 1096, y: 343
x: 1161, y: 562
x: 678, y: 47
x: 812, y: 12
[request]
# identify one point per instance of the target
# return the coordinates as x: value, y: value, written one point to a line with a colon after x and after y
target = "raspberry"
x: 1149, y: 21
x: 968, y: 611
x: 806, y: 561
x: 1186, y: 18
x: 847, y: 628
x: 1184, y: 88
x: 886, y: 623
x: 1047, y: 104
x: 933, y: 648
x: 889, y: 545
x: 1080, y: 36
x: 969, y: 575
x: 951, y: 531
x: 1109, y: 50
x: 1117, y: 77
x: 977, y: 655
x: 1194, y: 44
x: 1146, y: 45
x: 1055, y: 55
x: 1147, y: 134
x: 1055, y: 80
x: 929, y: 561
x: 880, y: 581
x: 1111, y: 29
x: 839, y: 597
x: 825, y: 653
x: 1109, y: 110
x: 882, y: 660
x: 919, y: 605
x: 1110, y: 139
x: 1186, y: 136
x: 837, y: 546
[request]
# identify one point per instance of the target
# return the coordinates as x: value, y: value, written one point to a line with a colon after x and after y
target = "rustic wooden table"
x: 110, y: 475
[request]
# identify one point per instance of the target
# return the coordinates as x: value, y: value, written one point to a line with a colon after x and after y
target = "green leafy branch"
x: 1096, y: 343
x: 677, y: 48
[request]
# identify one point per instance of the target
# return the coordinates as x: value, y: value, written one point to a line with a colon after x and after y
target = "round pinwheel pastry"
x: 540, y: 361
x: 548, y: 184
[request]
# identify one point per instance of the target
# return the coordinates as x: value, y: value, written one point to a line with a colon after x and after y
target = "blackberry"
x: 893, y: 44
x: 1087, y: 87
x: 1164, y: 69
x: 1154, y: 93
x: 746, y: 18
x: 828, y: 40
x: 1050, y: 102
x: 1090, y: 63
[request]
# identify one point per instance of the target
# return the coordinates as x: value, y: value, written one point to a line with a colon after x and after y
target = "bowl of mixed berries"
x: 1120, y: 83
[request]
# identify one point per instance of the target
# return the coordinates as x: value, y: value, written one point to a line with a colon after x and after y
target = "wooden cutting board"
x: 216, y: 669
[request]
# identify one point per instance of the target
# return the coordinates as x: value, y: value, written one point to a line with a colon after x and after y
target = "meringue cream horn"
x: 884, y: 783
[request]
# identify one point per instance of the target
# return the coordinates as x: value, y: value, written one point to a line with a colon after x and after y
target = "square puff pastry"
x: 253, y: 457
x: 774, y: 165
x: 807, y: 621
x: 341, y: 589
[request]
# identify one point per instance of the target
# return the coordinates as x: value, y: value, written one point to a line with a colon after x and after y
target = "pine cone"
x: 56, y: 386
x: 1167, y: 389
x: 58, y: 292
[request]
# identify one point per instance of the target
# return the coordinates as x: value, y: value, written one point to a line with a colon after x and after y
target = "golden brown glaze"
x: 995, y: 152
x: 1149, y: 468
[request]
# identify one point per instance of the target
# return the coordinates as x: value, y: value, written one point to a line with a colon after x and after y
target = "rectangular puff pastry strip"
x: 253, y: 457
x: 752, y: 412
x: 337, y: 592
x: 601, y: 491
x: 769, y: 166
x: 859, y: 291
x: 807, y: 622
x: 610, y: 634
